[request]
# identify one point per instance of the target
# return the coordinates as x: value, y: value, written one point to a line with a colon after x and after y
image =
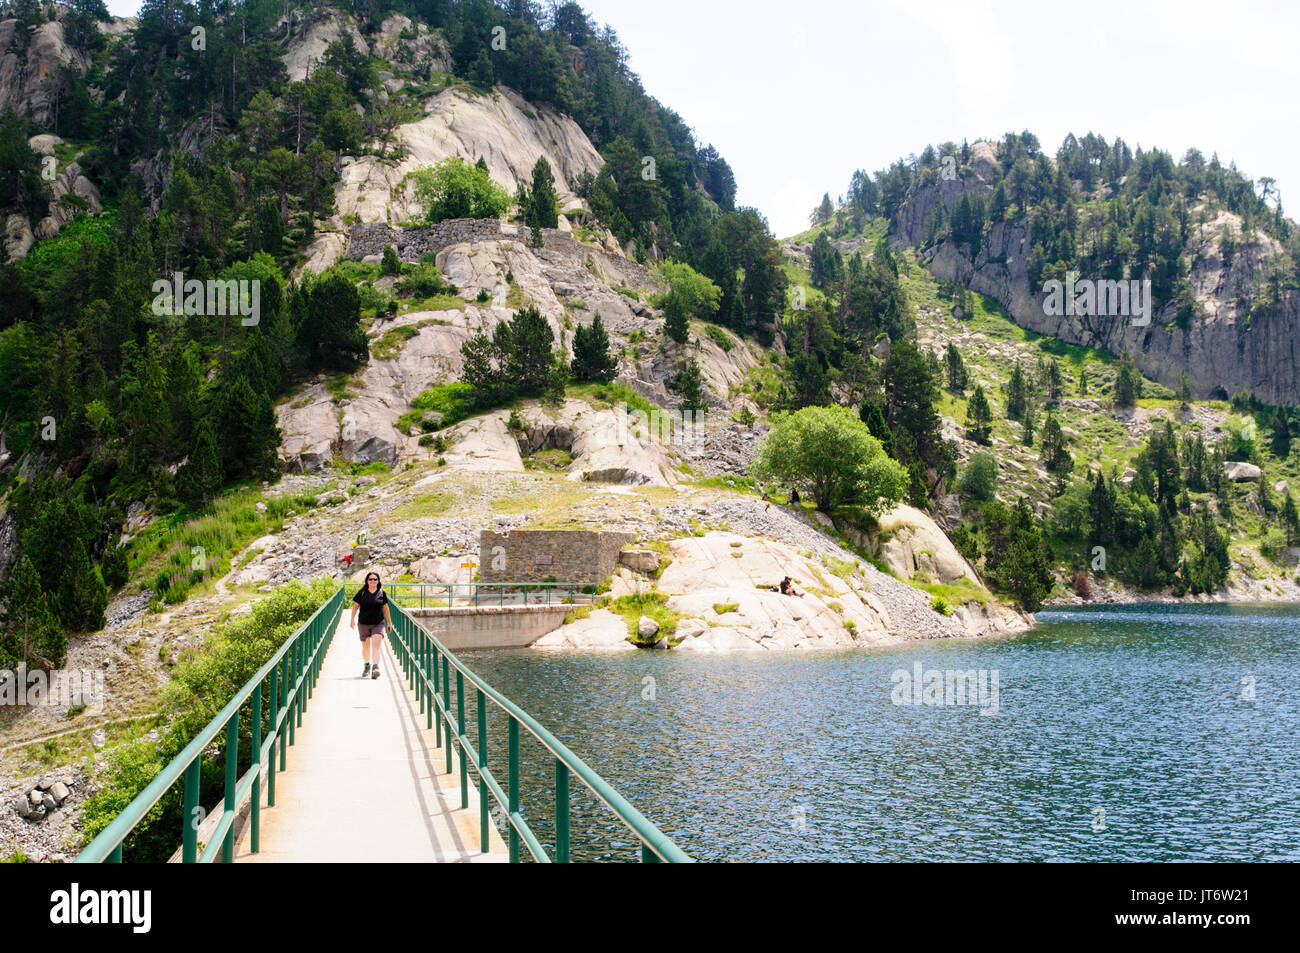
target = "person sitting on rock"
x: 787, y: 588
x: 794, y: 497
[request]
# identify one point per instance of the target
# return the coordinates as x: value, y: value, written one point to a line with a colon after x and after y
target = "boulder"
x: 915, y: 543
x: 642, y: 560
x: 1239, y: 471
x: 691, y: 628
x: 440, y: 569
x: 59, y: 791
x: 646, y: 627
x: 602, y: 630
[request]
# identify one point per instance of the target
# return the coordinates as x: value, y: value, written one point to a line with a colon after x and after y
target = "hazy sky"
x: 797, y: 95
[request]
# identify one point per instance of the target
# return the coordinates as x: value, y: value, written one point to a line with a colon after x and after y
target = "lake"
x: 1117, y: 733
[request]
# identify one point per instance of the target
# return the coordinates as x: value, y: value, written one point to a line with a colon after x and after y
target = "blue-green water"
x: 1121, y: 733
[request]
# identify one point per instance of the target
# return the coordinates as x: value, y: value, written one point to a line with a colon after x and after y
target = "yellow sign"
x: 466, y: 565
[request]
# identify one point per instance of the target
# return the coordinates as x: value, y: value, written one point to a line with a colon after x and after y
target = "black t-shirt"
x: 372, y: 605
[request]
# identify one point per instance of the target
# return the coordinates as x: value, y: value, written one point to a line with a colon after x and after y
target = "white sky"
x: 796, y: 95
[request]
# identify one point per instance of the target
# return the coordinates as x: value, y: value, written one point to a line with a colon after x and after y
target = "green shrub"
x: 979, y: 480
x: 718, y: 336
x: 940, y: 605
x: 453, y: 402
x: 425, y: 281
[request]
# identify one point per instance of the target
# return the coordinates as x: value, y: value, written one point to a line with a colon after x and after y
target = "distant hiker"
x: 794, y: 497
x: 373, y: 603
x: 787, y: 588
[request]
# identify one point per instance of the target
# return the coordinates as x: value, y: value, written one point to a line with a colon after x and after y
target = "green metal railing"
x: 428, y: 666
x: 288, y: 679
x: 432, y: 595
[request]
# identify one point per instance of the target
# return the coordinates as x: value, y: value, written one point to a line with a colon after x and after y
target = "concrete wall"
x: 586, y: 557
x: 491, y: 627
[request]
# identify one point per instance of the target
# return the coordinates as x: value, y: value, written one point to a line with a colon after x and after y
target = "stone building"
x: 534, y: 555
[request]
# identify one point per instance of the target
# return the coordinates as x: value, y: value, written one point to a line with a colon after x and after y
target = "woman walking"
x: 373, y: 603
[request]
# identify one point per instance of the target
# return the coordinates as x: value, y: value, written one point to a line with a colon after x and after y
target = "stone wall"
x: 412, y: 244
x: 532, y: 555
x: 367, y: 239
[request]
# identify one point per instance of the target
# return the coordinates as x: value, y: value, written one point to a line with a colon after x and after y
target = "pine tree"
x: 676, y: 325
x: 113, y: 567
x: 957, y: 376
x: 690, y: 386
x: 1017, y: 391
x: 1291, y: 521
x: 31, y: 634
x: 979, y: 417
x: 1056, y: 459
x: 530, y: 359
x: 390, y: 265
x: 1127, y: 383
x: 1053, y: 380
x: 809, y: 381
x: 1101, y: 512
x: 1281, y: 434
x: 82, y: 595
x: 874, y: 418
x: 543, y: 203
x: 592, y: 360
x: 998, y: 208
x: 824, y: 210
x: 1029, y: 422
x: 200, y: 477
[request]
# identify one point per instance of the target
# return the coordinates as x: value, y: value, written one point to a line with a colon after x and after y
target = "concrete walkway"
x: 364, y: 781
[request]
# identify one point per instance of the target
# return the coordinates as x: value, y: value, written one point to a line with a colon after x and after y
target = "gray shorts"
x: 366, y: 630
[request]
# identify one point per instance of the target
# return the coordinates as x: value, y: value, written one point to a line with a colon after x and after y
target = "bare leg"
x: 365, y: 651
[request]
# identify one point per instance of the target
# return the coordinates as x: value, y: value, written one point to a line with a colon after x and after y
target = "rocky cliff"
x: 1225, y: 349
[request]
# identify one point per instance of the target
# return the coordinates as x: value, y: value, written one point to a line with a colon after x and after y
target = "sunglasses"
x: 372, y: 579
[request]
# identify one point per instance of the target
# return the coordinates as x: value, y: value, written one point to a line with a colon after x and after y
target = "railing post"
x: 482, y: 766
x: 287, y: 730
x: 299, y: 669
x: 427, y: 643
x: 232, y: 767
x: 272, y: 710
x: 446, y: 702
x: 513, y: 742
x: 190, y: 834
x: 256, y: 727
x: 460, y: 734
x: 433, y: 699
x: 561, y: 812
